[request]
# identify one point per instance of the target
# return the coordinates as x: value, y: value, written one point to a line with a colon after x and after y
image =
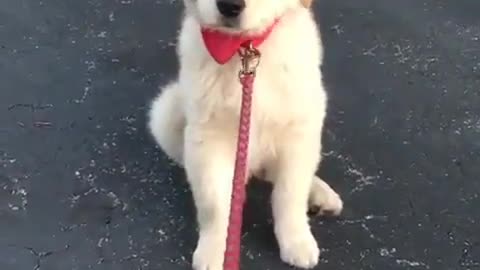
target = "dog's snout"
x: 230, y: 8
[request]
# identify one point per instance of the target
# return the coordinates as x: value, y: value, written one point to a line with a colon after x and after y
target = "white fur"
x: 195, y: 121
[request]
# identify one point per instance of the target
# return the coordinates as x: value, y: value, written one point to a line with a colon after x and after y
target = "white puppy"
x: 195, y: 121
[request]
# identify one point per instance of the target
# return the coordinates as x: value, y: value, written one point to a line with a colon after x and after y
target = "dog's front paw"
x: 209, y: 254
x: 300, y: 250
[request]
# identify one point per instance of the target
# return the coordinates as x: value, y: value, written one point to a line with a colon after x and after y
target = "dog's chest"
x: 274, y: 95
x: 274, y: 92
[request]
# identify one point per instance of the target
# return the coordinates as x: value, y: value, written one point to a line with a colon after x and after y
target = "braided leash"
x: 250, y: 58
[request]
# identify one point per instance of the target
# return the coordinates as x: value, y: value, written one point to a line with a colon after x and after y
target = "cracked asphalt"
x: 82, y: 186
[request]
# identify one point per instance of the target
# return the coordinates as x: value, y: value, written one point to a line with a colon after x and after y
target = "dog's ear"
x: 306, y: 3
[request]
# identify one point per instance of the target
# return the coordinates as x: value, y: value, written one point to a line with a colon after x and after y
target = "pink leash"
x: 250, y: 58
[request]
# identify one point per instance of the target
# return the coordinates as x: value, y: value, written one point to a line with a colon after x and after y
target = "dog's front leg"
x: 293, y: 171
x: 209, y: 161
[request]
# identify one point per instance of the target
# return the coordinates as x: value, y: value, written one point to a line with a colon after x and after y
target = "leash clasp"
x: 250, y: 58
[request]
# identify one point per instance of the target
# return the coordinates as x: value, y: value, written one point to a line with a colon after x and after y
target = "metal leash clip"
x: 250, y: 58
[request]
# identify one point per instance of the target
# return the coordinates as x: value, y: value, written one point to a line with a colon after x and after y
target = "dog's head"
x: 240, y: 15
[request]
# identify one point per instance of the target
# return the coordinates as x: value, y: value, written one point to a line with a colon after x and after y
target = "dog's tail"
x: 167, y: 122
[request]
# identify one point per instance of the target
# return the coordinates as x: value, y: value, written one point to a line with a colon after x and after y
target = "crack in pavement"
x: 31, y: 106
x: 40, y: 255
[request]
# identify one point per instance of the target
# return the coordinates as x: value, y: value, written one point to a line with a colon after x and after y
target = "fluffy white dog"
x: 195, y: 121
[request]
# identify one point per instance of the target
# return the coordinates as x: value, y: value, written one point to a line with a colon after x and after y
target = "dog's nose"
x: 230, y: 8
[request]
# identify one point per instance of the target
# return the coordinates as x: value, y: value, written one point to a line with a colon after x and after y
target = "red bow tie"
x: 223, y: 46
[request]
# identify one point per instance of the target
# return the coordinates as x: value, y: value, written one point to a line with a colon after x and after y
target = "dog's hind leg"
x: 167, y: 122
x: 323, y: 200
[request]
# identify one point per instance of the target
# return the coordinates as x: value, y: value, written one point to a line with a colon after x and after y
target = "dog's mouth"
x: 231, y: 23
x: 227, y: 25
x: 235, y: 26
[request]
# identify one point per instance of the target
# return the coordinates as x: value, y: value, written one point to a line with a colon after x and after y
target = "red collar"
x: 223, y: 46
